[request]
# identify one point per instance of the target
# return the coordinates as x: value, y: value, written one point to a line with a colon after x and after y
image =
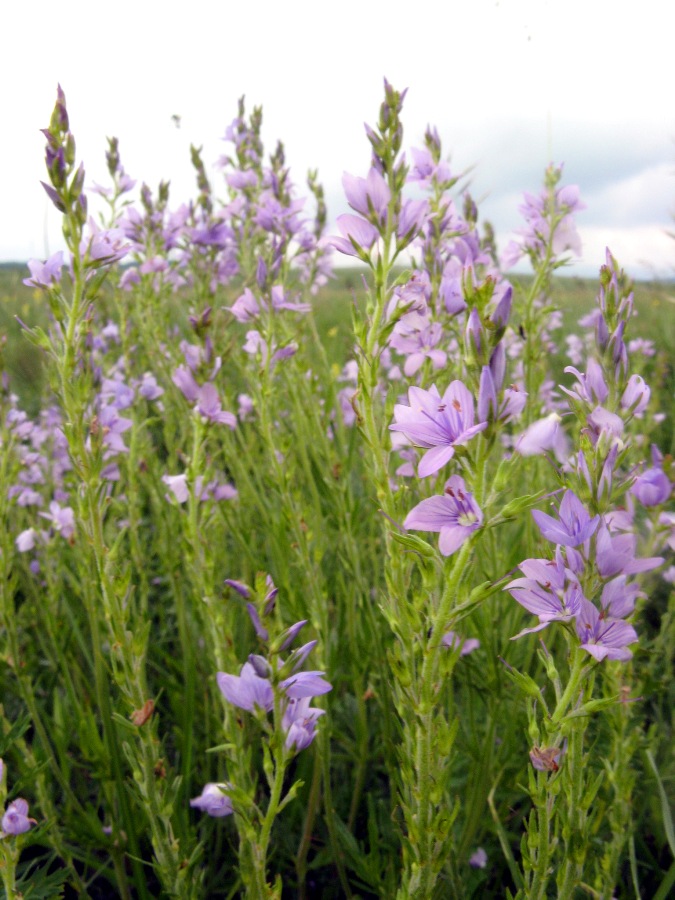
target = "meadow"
x: 332, y: 582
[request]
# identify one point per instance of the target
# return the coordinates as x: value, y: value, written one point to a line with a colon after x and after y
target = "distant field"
x: 654, y: 302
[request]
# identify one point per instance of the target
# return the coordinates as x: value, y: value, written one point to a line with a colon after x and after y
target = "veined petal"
x: 435, y: 459
x: 431, y: 514
x: 452, y: 537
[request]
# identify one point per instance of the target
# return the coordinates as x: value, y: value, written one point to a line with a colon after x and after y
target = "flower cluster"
x: 590, y: 560
x: 269, y: 684
x: 15, y: 820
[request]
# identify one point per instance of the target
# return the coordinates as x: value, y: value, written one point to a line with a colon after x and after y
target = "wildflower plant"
x: 455, y: 673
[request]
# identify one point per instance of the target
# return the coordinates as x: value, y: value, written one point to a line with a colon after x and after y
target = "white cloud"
x: 510, y: 84
x: 645, y: 251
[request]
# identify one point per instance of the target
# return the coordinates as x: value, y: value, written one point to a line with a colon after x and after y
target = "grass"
x: 654, y: 304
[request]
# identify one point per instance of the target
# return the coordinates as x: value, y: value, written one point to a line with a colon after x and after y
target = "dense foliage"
x: 281, y: 621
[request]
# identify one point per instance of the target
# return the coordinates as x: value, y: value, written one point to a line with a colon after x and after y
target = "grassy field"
x: 654, y: 304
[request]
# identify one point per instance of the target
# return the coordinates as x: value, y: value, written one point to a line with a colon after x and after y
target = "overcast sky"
x: 510, y: 85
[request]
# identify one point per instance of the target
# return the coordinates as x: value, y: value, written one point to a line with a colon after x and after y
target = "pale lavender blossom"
x: 280, y: 301
x: 425, y: 170
x: 213, y: 800
x: 221, y: 491
x: 15, y: 820
x: 299, y: 722
x: 209, y: 406
x: 540, y: 219
x: 641, y: 346
x: 149, y: 388
x: 545, y: 759
x: 185, y: 382
x: 177, y: 484
x: 260, y: 629
x: 248, y: 690
x: 117, y: 393
x: 244, y: 407
x: 635, y: 398
x: 26, y: 540
x: 47, y: 274
x: 242, y: 589
x: 61, y: 518
x: 455, y: 514
x: 103, y: 246
x: 455, y: 642
x: 478, y: 859
x: 305, y: 684
x: 417, y: 338
x: 256, y: 345
x: 113, y: 427
x: 575, y: 349
x: 438, y: 424
x: 356, y: 235
x: 618, y: 598
x: 245, y: 307
x: 540, y: 437
x: 615, y: 555
x: 604, y: 637
x: 603, y: 424
x: 369, y: 196
x: 574, y: 525
x: 547, y: 606
x: 652, y: 487
x: 591, y: 388
x: 412, y: 218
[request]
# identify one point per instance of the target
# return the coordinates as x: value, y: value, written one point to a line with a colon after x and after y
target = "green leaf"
x: 665, y: 805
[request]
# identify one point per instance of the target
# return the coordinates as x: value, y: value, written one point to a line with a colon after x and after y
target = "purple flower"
x: 455, y: 642
x: 652, y: 488
x: 615, y: 555
x: 368, y: 196
x: 185, y: 382
x: 305, y: 684
x: 62, y: 519
x: 618, y: 598
x: 177, y: 484
x: 280, y: 301
x: 248, y: 690
x: 635, y: 398
x: 412, y: 219
x: 592, y: 388
x: 603, y: 423
x: 245, y: 307
x: 299, y: 723
x: 455, y: 514
x: 213, y: 800
x: 260, y: 629
x: 574, y: 525
x: 47, y: 274
x: 548, y: 605
x: 26, y: 540
x: 290, y: 635
x: 438, y: 424
x: 416, y: 337
x: 242, y: 589
x: 149, y: 388
x: 604, y: 637
x: 102, y: 246
x: 358, y: 236
x: 208, y: 404
x: 478, y: 860
x: 541, y: 436
x: 15, y: 820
